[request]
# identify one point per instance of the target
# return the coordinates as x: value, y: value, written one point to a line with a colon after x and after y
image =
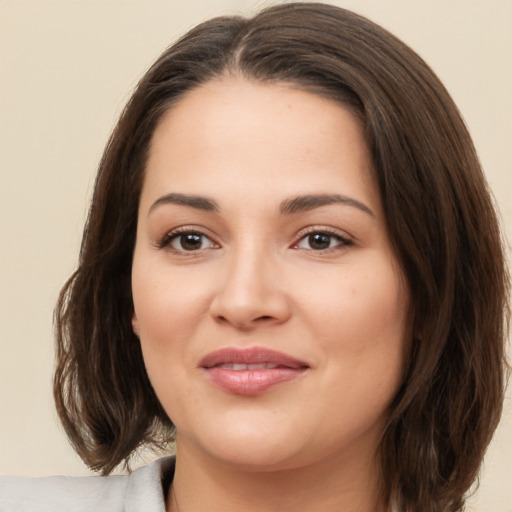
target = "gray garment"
x: 140, y: 491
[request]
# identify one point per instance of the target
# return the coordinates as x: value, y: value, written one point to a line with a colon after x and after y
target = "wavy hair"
x: 440, y: 218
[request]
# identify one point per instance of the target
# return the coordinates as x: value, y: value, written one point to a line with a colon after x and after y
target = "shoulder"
x: 56, y: 493
x: 143, y: 490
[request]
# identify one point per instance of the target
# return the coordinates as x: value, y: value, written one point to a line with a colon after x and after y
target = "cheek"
x: 361, y: 303
x: 369, y: 343
x: 362, y: 323
x: 167, y: 313
x: 167, y: 306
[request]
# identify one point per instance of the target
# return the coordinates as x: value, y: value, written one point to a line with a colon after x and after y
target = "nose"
x: 250, y: 292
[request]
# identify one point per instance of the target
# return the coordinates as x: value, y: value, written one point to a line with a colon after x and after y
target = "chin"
x: 260, y: 458
x: 249, y: 448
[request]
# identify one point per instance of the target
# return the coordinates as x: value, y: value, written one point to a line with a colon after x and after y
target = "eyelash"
x: 314, y: 230
x: 166, y: 241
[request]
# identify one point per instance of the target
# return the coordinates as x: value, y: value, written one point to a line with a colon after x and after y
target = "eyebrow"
x: 309, y: 202
x: 199, y: 202
x: 287, y: 207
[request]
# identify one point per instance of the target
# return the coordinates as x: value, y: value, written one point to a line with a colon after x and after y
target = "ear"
x: 135, y: 324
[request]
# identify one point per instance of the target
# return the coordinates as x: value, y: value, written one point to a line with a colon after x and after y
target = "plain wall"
x: 66, y: 69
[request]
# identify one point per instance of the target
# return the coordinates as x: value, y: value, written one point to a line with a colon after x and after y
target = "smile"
x: 250, y: 371
x: 238, y: 367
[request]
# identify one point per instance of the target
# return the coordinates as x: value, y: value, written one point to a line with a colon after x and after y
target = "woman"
x: 293, y: 268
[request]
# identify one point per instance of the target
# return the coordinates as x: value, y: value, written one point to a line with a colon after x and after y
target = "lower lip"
x: 251, y: 382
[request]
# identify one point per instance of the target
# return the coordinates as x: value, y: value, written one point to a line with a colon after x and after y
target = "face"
x: 270, y: 307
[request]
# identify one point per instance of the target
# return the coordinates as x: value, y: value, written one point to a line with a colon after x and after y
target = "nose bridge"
x: 249, y: 291
x: 247, y: 271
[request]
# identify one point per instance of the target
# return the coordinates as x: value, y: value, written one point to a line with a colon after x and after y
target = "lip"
x: 266, y: 368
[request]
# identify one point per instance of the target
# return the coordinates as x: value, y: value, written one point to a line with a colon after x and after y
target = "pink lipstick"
x: 250, y: 371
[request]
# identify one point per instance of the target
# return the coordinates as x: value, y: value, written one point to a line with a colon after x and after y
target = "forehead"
x: 235, y: 131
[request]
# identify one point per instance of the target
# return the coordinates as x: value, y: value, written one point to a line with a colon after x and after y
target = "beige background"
x: 66, y: 69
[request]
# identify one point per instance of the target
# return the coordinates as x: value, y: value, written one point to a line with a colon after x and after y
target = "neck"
x: 202, y: 483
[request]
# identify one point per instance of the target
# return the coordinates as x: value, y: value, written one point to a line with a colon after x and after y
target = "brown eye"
x: 190, y: 241
x: 321, y: 241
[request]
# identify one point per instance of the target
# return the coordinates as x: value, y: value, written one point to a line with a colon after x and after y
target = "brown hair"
x: 440, y: 218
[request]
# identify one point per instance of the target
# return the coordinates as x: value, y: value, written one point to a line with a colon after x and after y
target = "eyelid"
x: 345, y: 239
x: 164, y: 242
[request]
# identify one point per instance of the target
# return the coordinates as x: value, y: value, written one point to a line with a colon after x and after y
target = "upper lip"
x: 252, y: 355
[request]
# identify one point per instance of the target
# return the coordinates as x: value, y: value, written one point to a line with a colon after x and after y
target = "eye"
x: 321, y: 241
x: 187, y: 241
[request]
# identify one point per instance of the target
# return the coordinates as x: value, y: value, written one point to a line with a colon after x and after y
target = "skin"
x: 256, y: 278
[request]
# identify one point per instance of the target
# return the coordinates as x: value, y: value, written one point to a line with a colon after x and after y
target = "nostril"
x: 248, y: 311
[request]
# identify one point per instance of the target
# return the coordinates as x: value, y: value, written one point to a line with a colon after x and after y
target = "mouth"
x: 250, y: 371
x: 240, y: 367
